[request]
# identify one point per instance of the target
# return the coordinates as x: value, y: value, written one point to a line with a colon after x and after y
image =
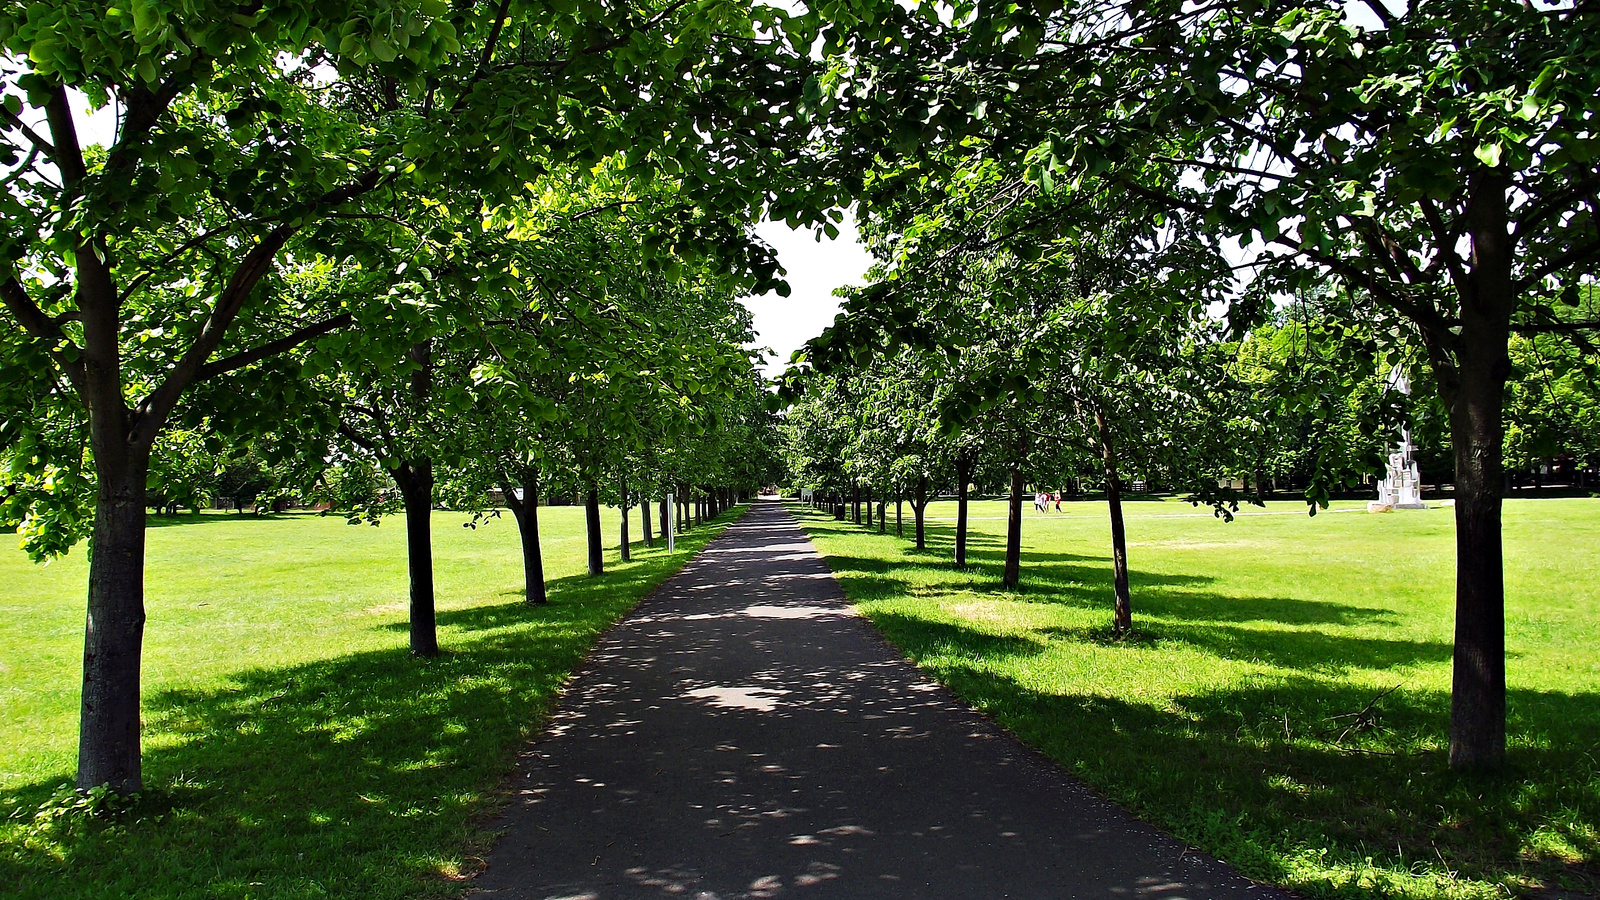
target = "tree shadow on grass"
x: 217, y: 517
x: 1288, y: 649
x: 358, y: 776
x: 1061, y: 580
x: 364, y: 776
x: 1260, y: 773
x: 566, y: 590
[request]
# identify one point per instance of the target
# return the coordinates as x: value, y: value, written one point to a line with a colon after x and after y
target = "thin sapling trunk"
x: 415, y: 478
x: 591, y: 519
x: 526, y: 511
x: 624, y: 506
x: 1012, y: 574
x: 1122, y: 614
x: 963, y: 473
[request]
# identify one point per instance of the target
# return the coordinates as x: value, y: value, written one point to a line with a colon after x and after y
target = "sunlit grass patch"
x: 293, y: 748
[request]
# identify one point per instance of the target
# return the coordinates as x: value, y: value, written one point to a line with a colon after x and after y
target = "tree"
x: 1432, y: 162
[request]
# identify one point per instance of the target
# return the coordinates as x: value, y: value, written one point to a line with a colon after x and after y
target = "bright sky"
x: 814, y: 271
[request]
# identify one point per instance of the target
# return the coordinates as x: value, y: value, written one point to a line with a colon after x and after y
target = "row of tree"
x: 465, y: 244
x: 1429, y: 168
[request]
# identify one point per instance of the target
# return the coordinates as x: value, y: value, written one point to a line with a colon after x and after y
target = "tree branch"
x: 1572, y: 257
x: 357, y: 438
x: 35, y: 322
x: 154, y: 409
x: 273, y: 348
x: 1556, y: 327
x: 39, y: 143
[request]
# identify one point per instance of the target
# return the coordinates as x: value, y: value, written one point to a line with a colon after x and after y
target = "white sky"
x: 814, y: 271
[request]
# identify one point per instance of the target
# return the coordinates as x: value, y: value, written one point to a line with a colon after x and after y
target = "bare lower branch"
x: 35, y: 322
x: 273, y: 348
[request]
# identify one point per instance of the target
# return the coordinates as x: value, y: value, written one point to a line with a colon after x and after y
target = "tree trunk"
x: 1478, y: 685
x: 899, y: 520
x: 855, y: 503
x: 527, y: 512
x: 644, y: 516
x: 1012, y: 574
x: 624, y: 506
x: 1474, y: 393
x: 108, y: 729
x: 415, y: 478
x: 869, y: 507
x: 666, y: 518
x: 963, y: 473
x: 591, y: 511
x: 1122, y: 606
x: 883, y: 517
x: 918, y: 506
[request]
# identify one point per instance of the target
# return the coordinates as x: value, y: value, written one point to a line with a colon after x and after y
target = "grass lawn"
x: 292, y: 747
x: 1229, y: 716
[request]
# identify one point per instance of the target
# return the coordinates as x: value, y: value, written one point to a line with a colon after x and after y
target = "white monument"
x: 1401, y: 487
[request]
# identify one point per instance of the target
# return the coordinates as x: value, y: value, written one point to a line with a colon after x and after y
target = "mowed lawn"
x: 1248, y: 713
x: 292, y: 746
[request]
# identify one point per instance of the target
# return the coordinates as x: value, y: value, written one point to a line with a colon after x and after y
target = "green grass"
x: 292, y: 747
x: 1226, y: 718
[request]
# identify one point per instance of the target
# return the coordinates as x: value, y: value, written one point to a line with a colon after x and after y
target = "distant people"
x: 1038, y: 502
x: 1058, y: 501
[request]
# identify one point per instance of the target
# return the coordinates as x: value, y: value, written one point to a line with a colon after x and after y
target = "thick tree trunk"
x: 666, y: 518
x: 527, y: 512
x: 855, y: 503
x: 1474, y: 393
x: 1122, y: 606
x: 644, y: 517
x: 869, y: 507
x: 591, y: 513
x: 1012, y: 574
x: 108, y: 730
x: 918, y: 507
x: 963, y: 473
x: 624, y: 506
x: 415, y: 478
x: 883, y: 517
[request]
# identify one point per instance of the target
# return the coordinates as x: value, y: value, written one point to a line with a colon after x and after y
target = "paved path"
x: 744, y: 735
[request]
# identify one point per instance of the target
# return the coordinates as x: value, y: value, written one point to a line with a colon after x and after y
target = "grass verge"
x: 1284, y: 700
x: 293, y: 749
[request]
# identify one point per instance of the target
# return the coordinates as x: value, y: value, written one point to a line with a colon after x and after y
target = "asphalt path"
x: 744, y: 734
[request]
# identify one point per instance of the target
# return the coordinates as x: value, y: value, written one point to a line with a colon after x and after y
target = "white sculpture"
x: 1401, y: 487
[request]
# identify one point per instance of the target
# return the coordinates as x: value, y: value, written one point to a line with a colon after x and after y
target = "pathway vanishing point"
x: 743, y: 734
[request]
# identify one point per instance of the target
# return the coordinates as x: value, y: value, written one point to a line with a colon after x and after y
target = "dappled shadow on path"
x: 744, y: 735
